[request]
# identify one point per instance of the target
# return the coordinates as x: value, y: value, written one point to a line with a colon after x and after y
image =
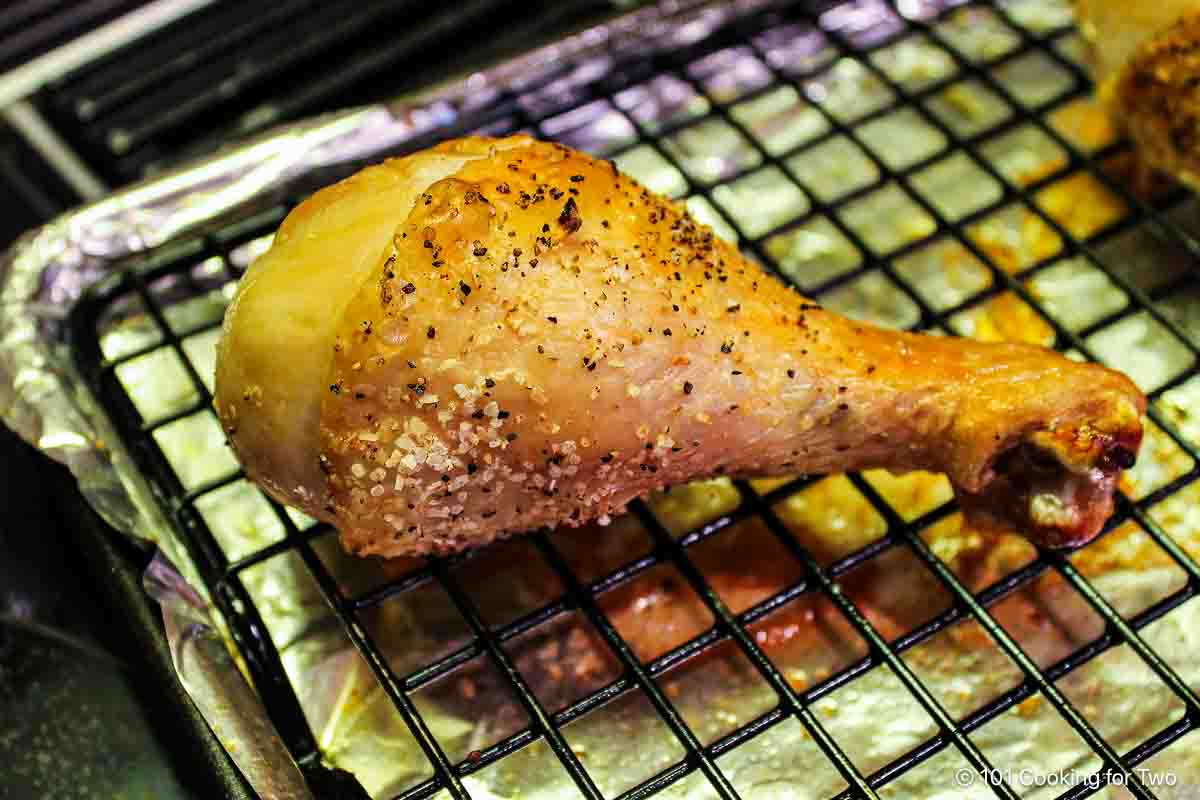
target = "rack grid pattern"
x: 839, y: 74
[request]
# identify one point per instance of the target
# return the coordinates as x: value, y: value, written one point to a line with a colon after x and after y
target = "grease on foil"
x: 564, y: 659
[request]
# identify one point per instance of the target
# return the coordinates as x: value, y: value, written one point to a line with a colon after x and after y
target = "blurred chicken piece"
x: 496, y: 335
x: 1146, y: 63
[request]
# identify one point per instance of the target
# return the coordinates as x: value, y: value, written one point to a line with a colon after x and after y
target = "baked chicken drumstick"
x: 1145, y: 59
x: 497, y: 335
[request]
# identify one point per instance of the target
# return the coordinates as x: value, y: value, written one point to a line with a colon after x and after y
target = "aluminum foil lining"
x: 623, y: 741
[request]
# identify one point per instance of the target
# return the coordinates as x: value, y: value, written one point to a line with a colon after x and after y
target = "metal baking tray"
x: 917, y: 163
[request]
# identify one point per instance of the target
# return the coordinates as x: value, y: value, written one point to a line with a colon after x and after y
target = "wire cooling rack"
x: 928, y: 168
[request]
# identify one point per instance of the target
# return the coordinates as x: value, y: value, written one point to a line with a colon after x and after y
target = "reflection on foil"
x: 206, y: 669
x: 623, y: 742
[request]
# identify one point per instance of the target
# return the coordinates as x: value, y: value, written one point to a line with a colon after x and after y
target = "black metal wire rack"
x: 789, y: 51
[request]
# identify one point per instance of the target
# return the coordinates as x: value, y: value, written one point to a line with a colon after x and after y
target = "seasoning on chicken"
x: 497, y: 335
x: 1145, y: 59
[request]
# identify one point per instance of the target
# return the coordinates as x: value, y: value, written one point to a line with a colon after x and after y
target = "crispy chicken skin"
x: 497, y: 335
x: 1145, y: 58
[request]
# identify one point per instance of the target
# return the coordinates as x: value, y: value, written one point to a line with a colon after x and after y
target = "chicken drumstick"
x: 1145, y: 59
x: 496, y: 335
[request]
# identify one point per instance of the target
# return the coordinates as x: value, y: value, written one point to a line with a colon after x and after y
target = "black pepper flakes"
x: 576, y: 179
x: 489, y: 383
x: 553, y: 319
x: 503, y: 415
x: 432, y: 332
x: 512, y: 437
x: 335, y: 388
x: 569, y: 220
x: 791, y: 373
x: 687, y: 387
x: 408, y: 288
x: 727, y: 347
x: 464, y: 288
x: 479, y: 252
x: 502, y: 188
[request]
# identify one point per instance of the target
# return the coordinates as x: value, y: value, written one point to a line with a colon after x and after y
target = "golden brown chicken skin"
x: 498, y: 335
x: 1145, y: 58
